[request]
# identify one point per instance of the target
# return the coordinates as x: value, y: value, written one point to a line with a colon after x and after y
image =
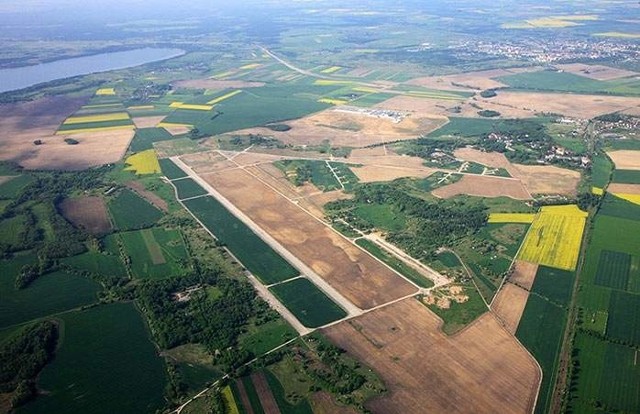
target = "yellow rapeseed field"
x: 250, y: 66
x: 332, y: 101
x: 327, y: 82
x: 597, y: 191
x: 195, y: 107
x: 524, y: 218
x: 632, y: 198
x: 554, y: 237
x: 117, y: 116
x: 172, y: 125
x: 145, y: 162
x: 81, y: 130
x: 332, y: 69
x: 365, y: 89
x: 223, y: 97
x: 141, y: 107
x: 105, y: 92
x: 434, y: 95
x: 111, y: 105
x: 231, y: 402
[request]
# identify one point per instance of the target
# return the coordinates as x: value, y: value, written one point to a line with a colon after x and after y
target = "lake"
x: 18, y: 78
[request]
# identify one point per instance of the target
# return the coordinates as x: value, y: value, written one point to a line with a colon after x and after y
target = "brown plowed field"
x: 546, y: 179
x: 425, y: 106
x: 481, y: 369
x: 322, y: 403
x: 464, y: 81
x: 626, y: 159
x: 509, y: 305
x: 267, y: 400
x: 244, y: 398
x: 147, y: 121
x: 597, y: 72
x: 624, y: 188
x: 350, y: 129
x: 373, y: 173
x: 490, y: 159
x: 484, y: 186
x: 356, y: 275
x: 89, y: 213
x: 150, y: 196
x: 579, y: 106
x: 524, y: 274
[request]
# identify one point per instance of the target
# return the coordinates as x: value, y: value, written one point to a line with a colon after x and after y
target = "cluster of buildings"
x: 555, y: 51
x: 394, y: 116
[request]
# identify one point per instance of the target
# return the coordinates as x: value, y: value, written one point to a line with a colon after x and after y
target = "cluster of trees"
x: 23, y: 356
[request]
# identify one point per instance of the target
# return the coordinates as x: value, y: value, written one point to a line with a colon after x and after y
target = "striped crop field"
x: 145, y: 162
x: 327, y: 82
x: 194, y: 107
x: 99, y: 129
x: 555, y: 237
x: 118, y: 116
x: 223, y: 75
x: 223, y: 97
x: 105, y: 92
x: 632, y: 198
x: 331, y: 69
x: 172, y: 125
x: 524, y: 218
x: 250, y: 66
x: 332, y: 101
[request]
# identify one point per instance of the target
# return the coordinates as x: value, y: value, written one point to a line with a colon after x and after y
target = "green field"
x: 459, y: 315
x: 170, y: 170
x: 187, y: 188
x: 624, y: 318
x: 105, y: 364
x: 97, y: 263
x: 616, y: 207
x: 265, y: 337
x: 465, y: 127
x: 567, y: 82
x: 12, y: 188
x: 382, y: 216
x: 92, y: 125
x: 155, y: 252
x: 601, y: 171
x: 131, y: 212
x: 327, y: 176
x: 308, y: 303
x: 12, y: 229
x: 395, y: 263
x: 46, y: 295
x: 542, y: 325
x: 624, y: 177
x: 613, y: 269
x: 251, y: 250
x: 145, y: 137
x: 254, y: 399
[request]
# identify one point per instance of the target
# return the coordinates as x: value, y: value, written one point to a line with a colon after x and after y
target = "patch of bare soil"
x: 481, y: 369
x: 624, y: 188
x: 509, y: 305
x: 150, y: 196
x: 88, y: 213
x: 147, y: 121
x: 484, y: 186
x: 524, y: 274
x: 597, y: 72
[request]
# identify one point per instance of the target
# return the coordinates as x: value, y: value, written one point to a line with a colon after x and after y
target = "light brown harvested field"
x: 632, y: 111
x: 93, y: 149
x: 267, y: 400
x: 481, y: 369
x: 368, y: 152
x: 464, y: 81
x: 88, y: 213
x: 244, y: 397
x: 177, y: 130
x: 372, y: 173
x: 392, y: 160
x: 624, y: 188
x: 252, y: 158
x: 509, y: 305
x: 490, y: 159
x: 546, y: 179
x: 322, y: 403
x: 524, y: 274
x: 22, y: 123
x: 6, y: 178
x: 597, y: 72
x: 484, y: 186
x: 216, y: 84
x: 147, y: 121
x: 433, y: 107
x: 625, y: 159
x: 579, y: 106
x: 151, y: 197
x: 350, y: 129
x: 205, y: 162
x: 356, y: 275
x: 471, y: 107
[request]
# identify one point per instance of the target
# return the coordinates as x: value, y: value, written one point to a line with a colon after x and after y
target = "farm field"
x: 131, y: 212
x: 524, y: 218
x: 626, y: 176
x: 145, y: 162
x: 542, y: 325
x: 484, y: 186
x: 555, y: 237
x: 395, y: 263
x: 568, y: 82
x: 187, y: 188
x: 509, y: 305
x: 88, y: 213
x: 146, y: 137
x: 625, y: 159
x: 327, y: 176
x: 357, y: 276
x: 462, y: 367
x: 155, y: 252
x: 109, y: 342
x: 47, y: 295
x: 170, y: 170
x: 107, y: 263
x: 308, y: 303
x: 252, y: 251
x: 12, y: 188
